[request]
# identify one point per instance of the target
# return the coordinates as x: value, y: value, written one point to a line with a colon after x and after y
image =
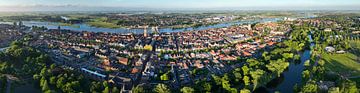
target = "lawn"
x: 346, y: 64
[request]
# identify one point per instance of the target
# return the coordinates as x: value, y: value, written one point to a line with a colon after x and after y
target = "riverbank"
x: 86, y: 27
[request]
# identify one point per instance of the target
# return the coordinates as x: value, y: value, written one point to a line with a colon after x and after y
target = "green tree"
x: 138, y: 89
x: 306, y: 74
x: 162, y: 88
x: 106, y: 90
x: 237, y: 76
x: 348, y: 86
x: 253, y: 63
x: 307, y: 63
x: 245, y: 70
x: 277, y: 66
x: 334, y: 90
x: 257, y: 76
x: 245, y: 91
x: 50, y: 91
x: 105, y: 84
x: 187, y: 90
x: 115, y: 90
x: 321, y: 62
x: 45, y: 86
x: 164, y: 77
x: 52, y: 80
x: 207, y: 86
x: 60, y: 82
x: 246, y: 80
x: 310, y: 87
x: 95, y: 87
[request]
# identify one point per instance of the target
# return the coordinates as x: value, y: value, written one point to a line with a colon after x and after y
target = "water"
x: 3, y: 49
x: 293, y: 75
x: 85, y: 27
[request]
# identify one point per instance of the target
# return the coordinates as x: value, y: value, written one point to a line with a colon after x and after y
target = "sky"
x: 187, y: 4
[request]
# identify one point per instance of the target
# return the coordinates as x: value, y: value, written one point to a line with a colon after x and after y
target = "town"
x: 294, y: 54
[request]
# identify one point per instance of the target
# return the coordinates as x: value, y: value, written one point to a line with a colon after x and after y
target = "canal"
x: 293, y: 75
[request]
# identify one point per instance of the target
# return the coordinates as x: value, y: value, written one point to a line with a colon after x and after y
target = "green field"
x: 103, y: 24
x: 347, y: 64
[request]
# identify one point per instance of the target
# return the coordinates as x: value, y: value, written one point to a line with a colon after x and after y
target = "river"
x: 292, y: 76
x: 86, y: 27
x: 3, y: 49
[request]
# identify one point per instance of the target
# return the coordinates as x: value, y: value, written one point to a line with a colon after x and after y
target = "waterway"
x: 3, y: 49
x: 86, y: 27
x: 292, y: 76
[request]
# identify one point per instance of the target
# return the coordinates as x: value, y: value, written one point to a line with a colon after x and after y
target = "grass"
x: 103, y: 24
x: 345, y: 64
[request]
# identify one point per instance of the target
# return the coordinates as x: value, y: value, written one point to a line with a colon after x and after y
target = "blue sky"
x: 187, y: 3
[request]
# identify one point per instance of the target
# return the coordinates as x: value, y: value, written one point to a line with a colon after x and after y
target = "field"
x: 347, y: 64
x: 103, y: 24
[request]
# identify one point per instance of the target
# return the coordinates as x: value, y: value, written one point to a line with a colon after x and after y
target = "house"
x: 329, y: 49
x: 327, y: 30
x: 341, y: 52
x: 123, y: 60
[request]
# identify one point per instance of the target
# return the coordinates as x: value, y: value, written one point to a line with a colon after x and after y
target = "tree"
x: 245, y: 91
x: 95, y: 87
x: 50, y: 91
x: 106, y: 90
x: 225, y: 83
x: 105, y: 84
x: 187, y: 90
x: 45, y: 86
x: 257, y: 76
x: 253, y: 63
x: 115, y: 90
x: 138, y: 89
x: 53, y: 80
x: 43, y: 72
x: 306, y: 74
x: 245, y: 70
x: 60, y: 82
x: 52, y: 66
x: 307, y: 63
x: 277, y: 66
x: 148, y: 47
x: 348, y: 86
x: 164, y: 77
x: 162, y: 88
x: 207, y: 86
x: 246, y: 80
x: 217, y: 79
x: 237, y: 76
x: 334, y: 90
x: 287, y: 55
x: 310, y: 87
x: 321, y: 62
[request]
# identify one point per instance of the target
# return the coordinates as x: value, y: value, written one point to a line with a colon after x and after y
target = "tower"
x: 145, y: 31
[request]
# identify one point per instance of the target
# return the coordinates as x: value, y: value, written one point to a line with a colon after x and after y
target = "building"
x: 329, y: 49
x: 145, y: 31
